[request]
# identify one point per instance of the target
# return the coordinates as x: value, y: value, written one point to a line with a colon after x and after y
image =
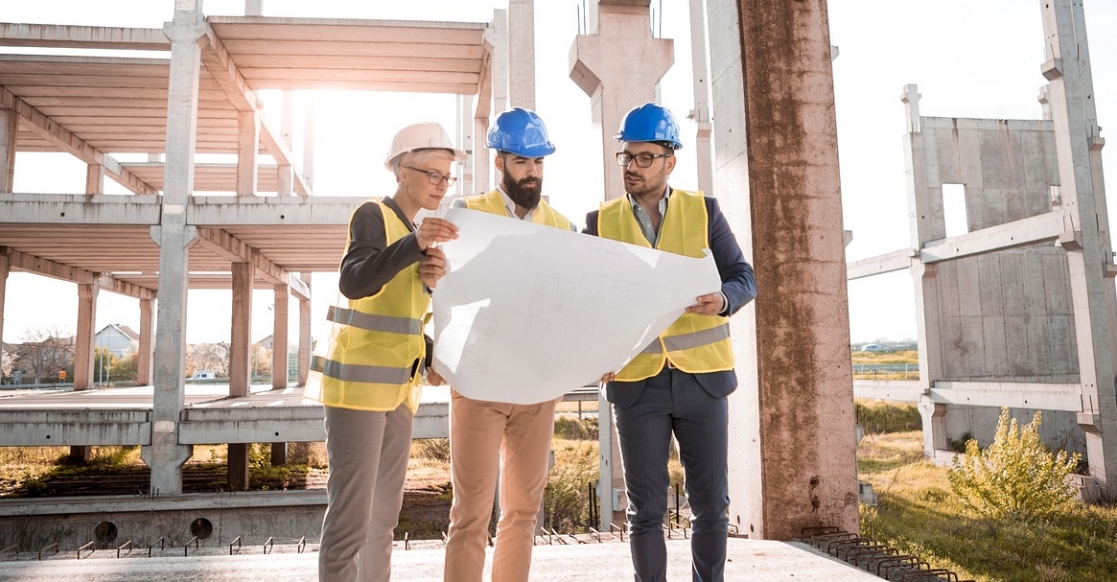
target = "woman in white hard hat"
x: 371, y: 372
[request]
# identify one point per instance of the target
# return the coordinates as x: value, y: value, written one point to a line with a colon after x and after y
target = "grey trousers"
x: 368, y: 453
x: 674, y: 403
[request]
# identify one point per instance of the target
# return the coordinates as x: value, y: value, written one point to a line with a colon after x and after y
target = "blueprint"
x: 527, y: 313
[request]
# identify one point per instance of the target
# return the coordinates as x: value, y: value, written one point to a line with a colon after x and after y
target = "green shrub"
x: 881, y: 418
x: 566, y: 498
x: 1016, y: 476
x: 435, y: 449
x: 576, y: 429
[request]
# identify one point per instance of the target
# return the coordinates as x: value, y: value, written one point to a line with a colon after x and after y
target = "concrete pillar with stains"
x: 794, y: 461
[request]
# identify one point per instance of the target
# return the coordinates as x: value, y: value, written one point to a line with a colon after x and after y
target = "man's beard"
x: 524, y: 196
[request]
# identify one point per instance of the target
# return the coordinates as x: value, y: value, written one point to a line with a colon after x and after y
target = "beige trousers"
x: 368, y: 453
x: 485, y: 437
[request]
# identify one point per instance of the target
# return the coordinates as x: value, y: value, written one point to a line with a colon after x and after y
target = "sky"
x: 970, y: 58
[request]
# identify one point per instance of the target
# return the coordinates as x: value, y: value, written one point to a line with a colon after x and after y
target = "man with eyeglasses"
x: 491, y: 437
x: 679, y: 384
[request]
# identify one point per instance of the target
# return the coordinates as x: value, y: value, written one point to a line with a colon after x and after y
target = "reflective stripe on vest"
x: 374, y: 355
x: 693, y: 343
x: 493, y: 203
x: 367, y: 321
x: 360, y: 372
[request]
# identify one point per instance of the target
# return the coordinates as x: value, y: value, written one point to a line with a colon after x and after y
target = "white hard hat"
x: 425, y: 135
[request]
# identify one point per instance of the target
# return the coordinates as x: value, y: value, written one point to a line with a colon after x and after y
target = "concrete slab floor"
x: 749, y: 560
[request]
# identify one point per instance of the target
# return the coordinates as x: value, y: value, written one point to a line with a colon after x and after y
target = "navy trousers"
x: 674, y: 403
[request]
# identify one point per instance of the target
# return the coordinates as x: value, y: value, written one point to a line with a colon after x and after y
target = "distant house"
x: 119, y: 339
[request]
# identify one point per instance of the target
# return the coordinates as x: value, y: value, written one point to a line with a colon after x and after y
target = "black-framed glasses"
x: 643, y: 160
x: 435, y: 177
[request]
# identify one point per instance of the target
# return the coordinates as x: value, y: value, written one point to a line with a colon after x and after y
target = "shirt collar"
x: 662, y: 201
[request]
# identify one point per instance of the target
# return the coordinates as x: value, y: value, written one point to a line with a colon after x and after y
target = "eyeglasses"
x: 435, y: 177
x: 643, y: 160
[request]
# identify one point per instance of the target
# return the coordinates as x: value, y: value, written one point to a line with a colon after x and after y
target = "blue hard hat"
x: 650, y: 122
x: 521, y: 132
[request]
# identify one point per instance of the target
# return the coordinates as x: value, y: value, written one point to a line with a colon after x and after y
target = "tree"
x: 213, y: 357
x: 43, y: 353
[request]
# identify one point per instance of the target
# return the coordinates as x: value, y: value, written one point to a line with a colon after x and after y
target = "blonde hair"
x: 419, y: 157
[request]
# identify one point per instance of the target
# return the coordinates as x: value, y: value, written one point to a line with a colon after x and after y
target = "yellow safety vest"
x: 376, y: 341
x: 493, y: 203
x: 694, y: 343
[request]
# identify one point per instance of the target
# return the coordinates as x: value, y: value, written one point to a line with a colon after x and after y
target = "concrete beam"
x: 1028, y: 231
x: 214, y: 211
x: 36, y: 428
x: 235, y: 250
x: 24, y: 262
x: 94, y: 37
x: 125, y: 288
x: 880, y: 264
x: 52, y: 131
x: 288, y: 424
x: 80, y: 209
x: 1014, y: 395
x: 897, y: 390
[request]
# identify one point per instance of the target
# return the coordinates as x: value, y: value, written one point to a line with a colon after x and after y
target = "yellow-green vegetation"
x: 902, y: 357
x: 879, y: 416
x: 918, y: 514
x: 1017, y: 476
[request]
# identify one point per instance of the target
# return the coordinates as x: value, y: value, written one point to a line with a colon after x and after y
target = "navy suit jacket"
x: 737, y: 283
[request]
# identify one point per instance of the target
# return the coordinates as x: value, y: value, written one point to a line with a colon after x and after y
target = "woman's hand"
x: 434, y: 230
x: 608, y: 377
x: 432, y: 267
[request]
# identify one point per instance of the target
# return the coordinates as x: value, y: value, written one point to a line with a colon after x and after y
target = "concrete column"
x: 279, y: 337
x: 9, y: 136
x: 84, y: 354
x: 703, y: 145
x: 5, y: 268
x: 94, y: 179
x: 85, y: 339
x: 480, y: 158
x: 520, y: 32
x: 248, y: 148
x: 253, y: 7
x: 1077, y: 138
x: 304, y: 333
x: 165, y: 455
x: 308, y: 140
x: 284, y: 177
x: 466, y: 127
x: 926, y: 224
x: 808, y: 465
x: 237, y: 475
x: 616, y: 85
x: 143, y: 358
x: 240, y: 365
x: 240, y: 350
x: 500, y: 61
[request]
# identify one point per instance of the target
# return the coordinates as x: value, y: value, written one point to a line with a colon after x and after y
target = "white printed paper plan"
x: 527, y: 313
